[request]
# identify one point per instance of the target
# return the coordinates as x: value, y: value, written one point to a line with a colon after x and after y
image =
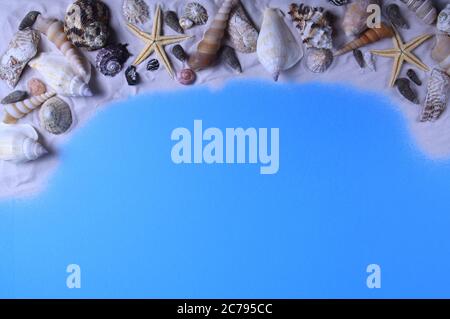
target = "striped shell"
x: 437, y: 96
x: 55, y: 116
x: 19, y: 143
x: 338, y: 2
x: 135, y: 11
x: 15, y: 111
x: 424, y: 9
x: 153, y: 65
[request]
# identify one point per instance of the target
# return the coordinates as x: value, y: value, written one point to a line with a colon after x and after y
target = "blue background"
x: 352, y: 190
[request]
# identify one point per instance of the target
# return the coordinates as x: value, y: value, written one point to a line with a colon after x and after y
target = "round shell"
x: 187, y: 77
x: 196, y: 13
x: 55, y: 116
x: 186, y: 23
x: 318, y: 60
x: 110, y: 60
x: 36, y: 87
x: 153, y: 65
x: 135, y: 11
x: 86, y: 24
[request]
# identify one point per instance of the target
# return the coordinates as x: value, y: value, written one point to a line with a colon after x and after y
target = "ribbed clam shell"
x: 242, y: 32
x: 356, y: 14
x: 443, y: 23
x: 86, y: 24
x: 55, y: 116
x: 22, y: 48
x: 16, y: 110
x: 19, y: 143
x: 135, y: 11
x: 110, y: 60
x: 318, y: 60
x: 424, y: 9
x: 437, y: 96
x: 195, y: 12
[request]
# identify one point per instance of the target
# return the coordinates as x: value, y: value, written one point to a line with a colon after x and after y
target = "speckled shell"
x: 17, y: 110
x: 110, y: 60
x: 86, y: 24
x: 196, y: 13
x: 412, y: 75
x: 55, y: 116
x: 135, y: 11
x: 437, y: 96
x: 179, y: 53
x: 22, y: 48
x: 443, y: 23
x: 171, y: 19
x: 318, y: 60
x: 424, y: 9
x: 153, y: 65
x: 394, y: 15
x: 19, y: 143
x: 242, y: 32
x: 355, y: 19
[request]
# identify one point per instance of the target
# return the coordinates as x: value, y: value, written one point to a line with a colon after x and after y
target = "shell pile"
x: 135, y: 11
x: 194, y: 14
x: 110, y: 60
x: 21, y: 49
x: 19, y: 143
x: 437, y: 96
x: 55, y: 116
x: 314, y: 25
x: 242, y: 32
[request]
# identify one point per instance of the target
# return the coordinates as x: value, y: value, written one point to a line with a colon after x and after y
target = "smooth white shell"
x: 19, y: 143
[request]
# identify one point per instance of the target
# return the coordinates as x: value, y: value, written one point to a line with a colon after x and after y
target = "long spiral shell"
x: 15, y: 111
x: 19, y: 143
x: 212, y: 40
x: 368, y: 37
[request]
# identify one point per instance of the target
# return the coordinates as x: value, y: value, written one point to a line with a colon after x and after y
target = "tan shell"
x: 355, y: 19
x: 242, y: 32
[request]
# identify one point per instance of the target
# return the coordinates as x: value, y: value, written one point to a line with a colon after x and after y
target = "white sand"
x: 19, y: 180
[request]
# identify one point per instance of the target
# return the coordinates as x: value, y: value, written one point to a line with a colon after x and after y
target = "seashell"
x: 196, y: 13
x: 54, y: 30
x: 22, y: 48
x: 242, y: 32
x: 29, y: 20
x: 14, y: 97
x: 171, y: 19
x: 424, y: 9
x: 19, y: 143
x: 186, y: 23
x: 135, y: 11
x: 230, y: 58
x: 356, y: 15
x: 404, y: 87
x: 314, y: 25
x: 277, y: 48
x: 212, y: 39
x: 318, y: 60
x: 441, y: 51
x: 368, y: 37
x: 359, y: 58
x: 86, y: 24
x: 437, y: 96
x: 131, y: 75
x: 443, y: 23
x: 110, y: 60
x: 55, y: 116
x: 393, y: 14
x: 369, y: 58
x: 412, y: 75
x: 59, y: 74
x: 187, y: 77
x: 338, y: 2
x: 16, y: 110
x: 153, y: 65
x: 36, y: 87
x: 179, y: 53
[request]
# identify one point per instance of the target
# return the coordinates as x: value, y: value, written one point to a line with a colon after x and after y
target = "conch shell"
x: 54, y: 30
x: 19, y: 143
x: 424, y: 9
x: 277, y: 48
x: 437, y: 96
x: 59, y: 74
x: 209, y: 47
x: 15, y: 111
x: 368, y: 37
x: 441, y: 51
x: 356, y: 15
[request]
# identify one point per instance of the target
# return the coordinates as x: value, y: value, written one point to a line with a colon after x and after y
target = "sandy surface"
x: 18, y: 180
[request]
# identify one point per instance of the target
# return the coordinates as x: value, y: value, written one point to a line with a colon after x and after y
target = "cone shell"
x: 55, y: 116
x: 15, y: 111
x: 19, y: 143
x: 437, y: 96
x: 277, y: 48
x: 242, y: 32
x: 58, y: 74
x: 368, y: 37
x: 355, y: 19
x: 424, y: 9
x: 212, y: 40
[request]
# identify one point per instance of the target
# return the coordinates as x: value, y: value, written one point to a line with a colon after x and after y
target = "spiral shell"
x: 19, y: 143
x: 14, y: 97
x: 318, y: 60
x: 424, y: 9
x: 110, y: 60
x: 135, y: 11
x: 437, y: 96
x: 17, y: 110
x: 187, y: 77
x: 55, y: 116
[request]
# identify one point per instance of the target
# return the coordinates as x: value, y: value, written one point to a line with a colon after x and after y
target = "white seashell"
x: 135, y: 11
x: 59, y: 74
x: 443, y: 23
x: 19, y: 143
x: 369, y: 58
x: 21, y: 49
x: 424, y: 9
x: 437, y: 96
x: 356, y: 15
x: 277, y: 48
x: 441, y: 51
x: 243, y: 33
x: 55, y: 116
x: 318, y: 60
x: 186, y: 23
x: 15, y: 111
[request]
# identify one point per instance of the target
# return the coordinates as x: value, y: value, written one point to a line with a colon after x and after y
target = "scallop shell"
x: 441, y: 51
x: 135, y: 11
x: 230, y: 58
x: 171, y: 19
x: 437, y: 96
x: 424, y: 9
x: 17, y: 110
x: 318, y: 60
x: 369, y: 58
x: 110, y: 60
x: 58, y: 74
x: 36, y: 87
x: 22, y: 48
x: 356, y: 15
x: 277, y: 48
x: 392, y: 12
x: 86, y: 24
x: 443, y: 23
x: 242, y: 32
x: 55, y: 116
x: 19, y: 143
x: 196, y: 13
